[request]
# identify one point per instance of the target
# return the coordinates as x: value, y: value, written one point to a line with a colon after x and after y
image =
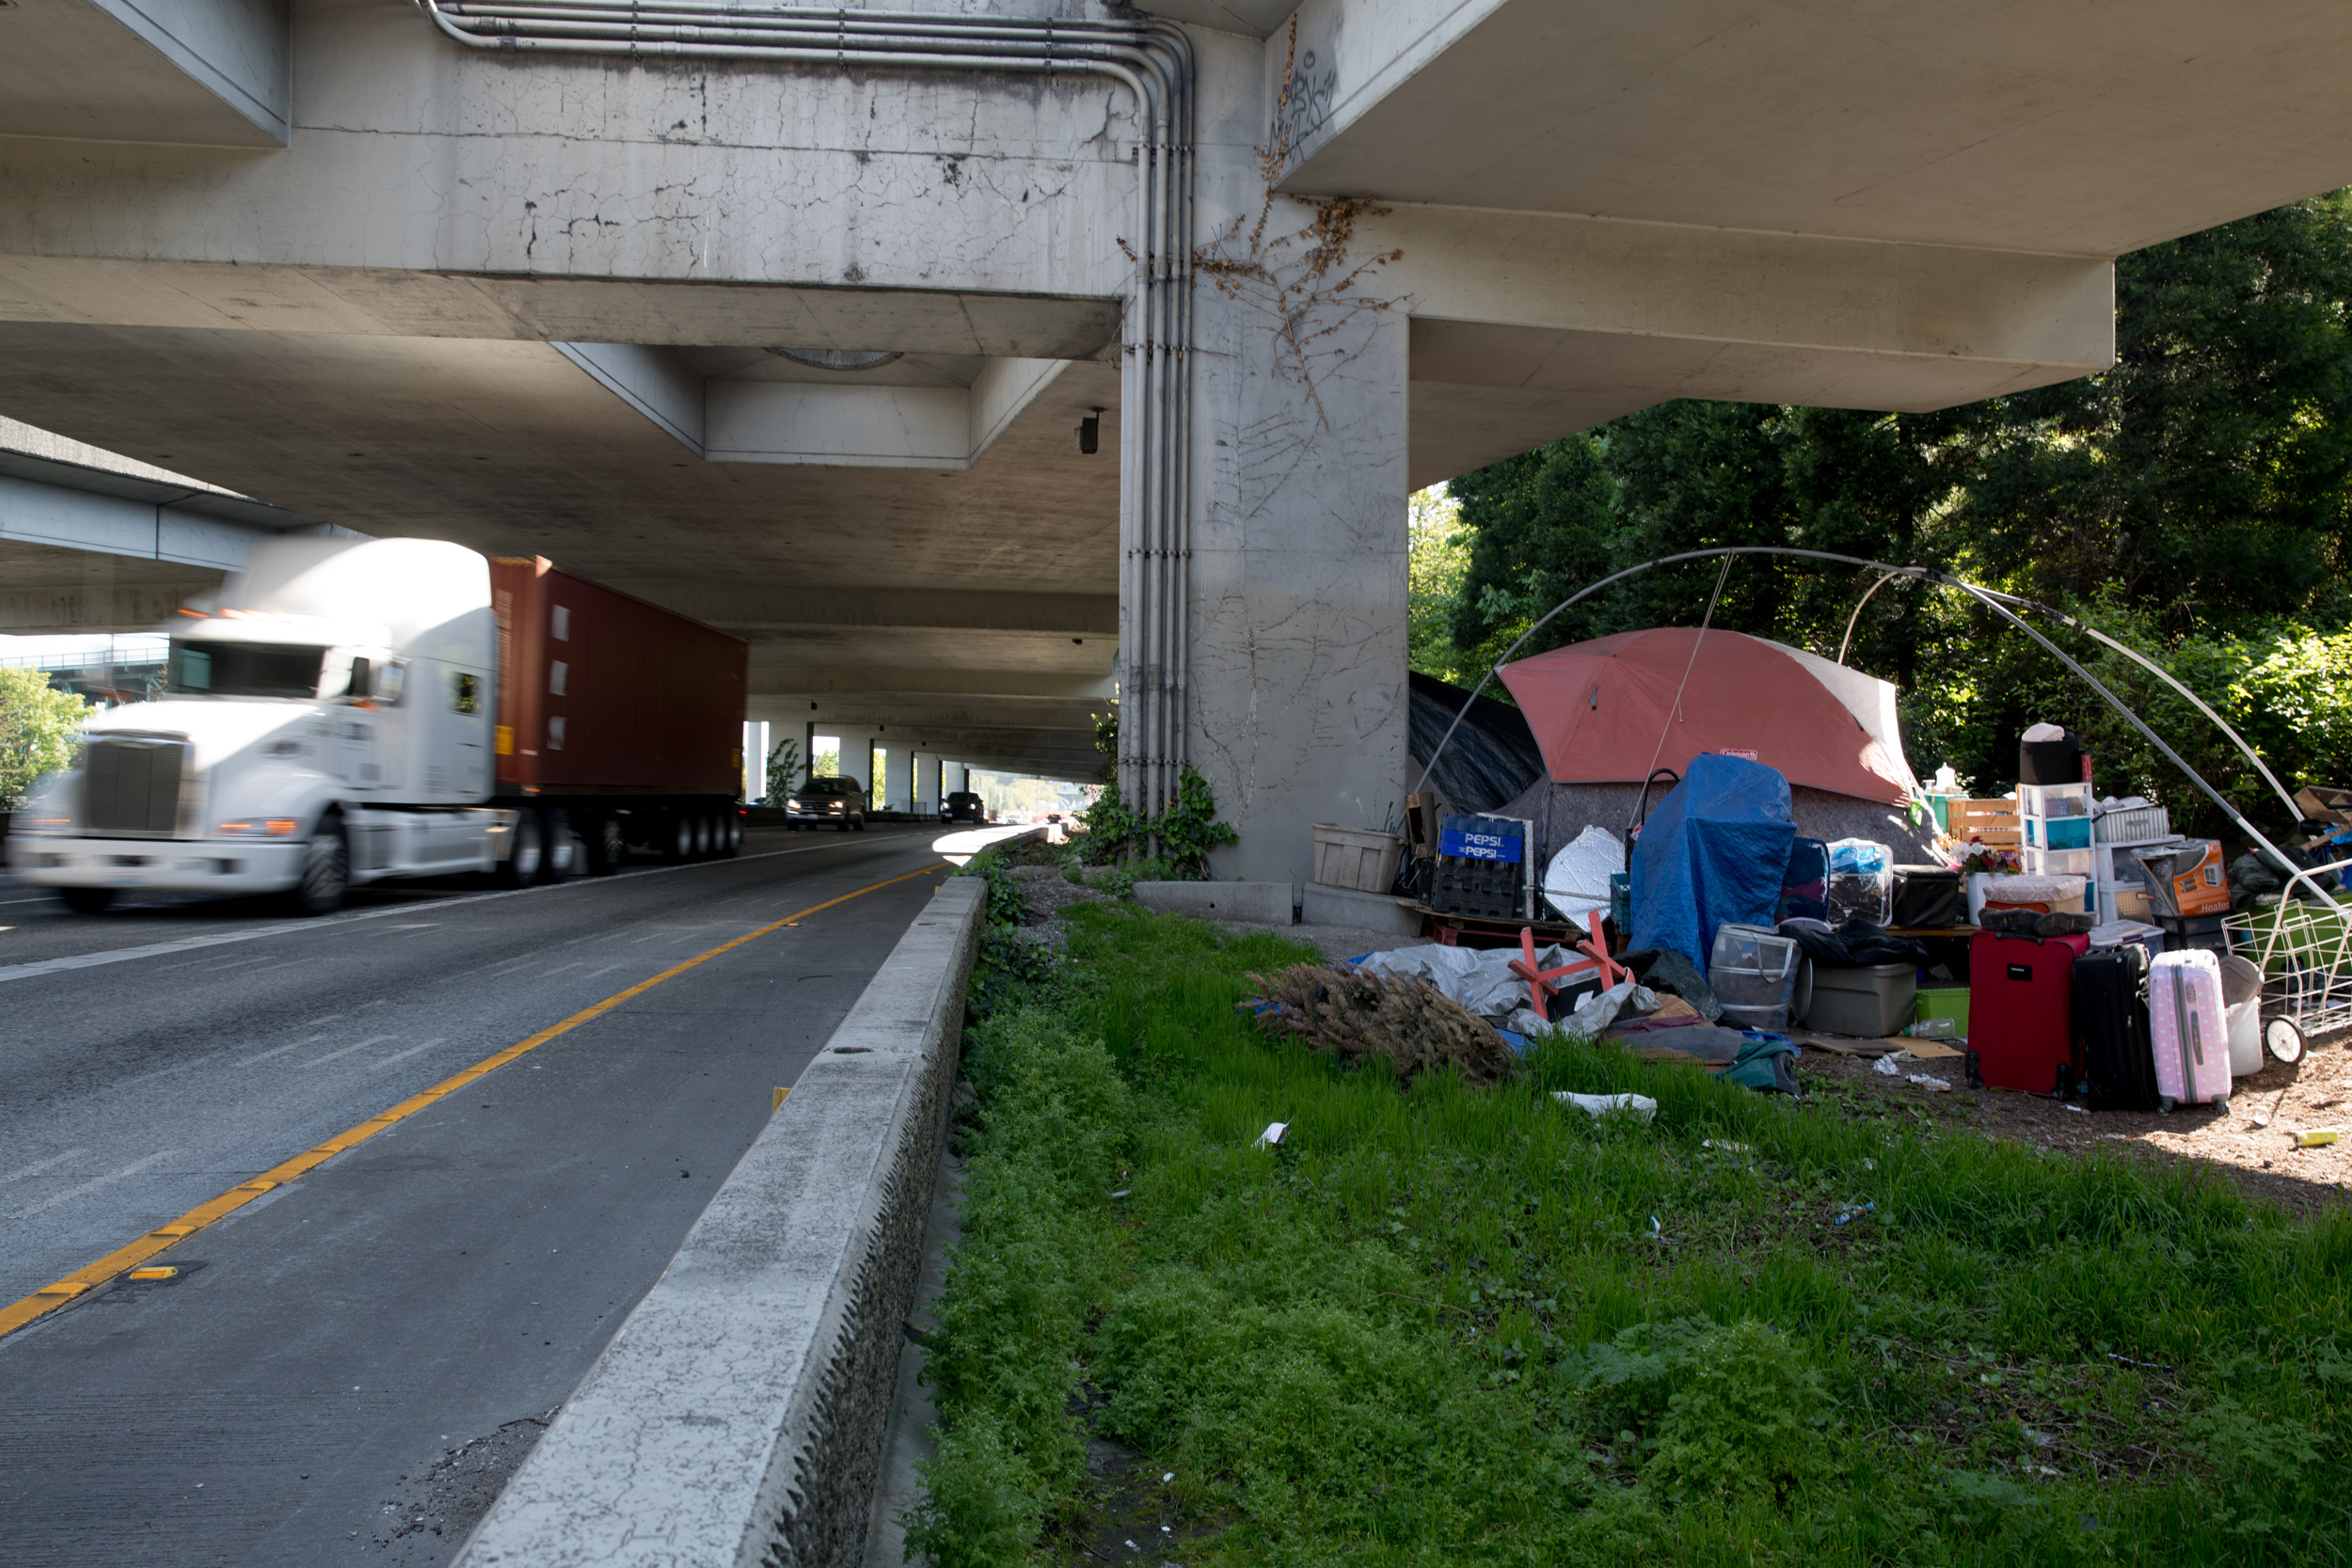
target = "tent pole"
x: 1848, y: 641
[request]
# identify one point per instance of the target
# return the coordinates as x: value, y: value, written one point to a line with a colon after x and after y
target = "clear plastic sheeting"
x: 1576, y: 883
x: 1861, y: 881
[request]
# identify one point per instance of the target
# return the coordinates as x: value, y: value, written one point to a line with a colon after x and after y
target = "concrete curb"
x: 738, y: 1416
x: 1260, y: 903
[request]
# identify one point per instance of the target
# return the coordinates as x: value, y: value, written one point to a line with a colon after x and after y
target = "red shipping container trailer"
x: 627, y: 716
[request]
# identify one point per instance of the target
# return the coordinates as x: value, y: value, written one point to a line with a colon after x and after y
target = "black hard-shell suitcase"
x: 2111, y: 1015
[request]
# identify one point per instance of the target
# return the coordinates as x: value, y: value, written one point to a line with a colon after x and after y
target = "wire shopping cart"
x: 2304, y: 950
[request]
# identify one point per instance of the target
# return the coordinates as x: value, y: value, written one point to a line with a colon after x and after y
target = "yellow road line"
x: 82, y: 1281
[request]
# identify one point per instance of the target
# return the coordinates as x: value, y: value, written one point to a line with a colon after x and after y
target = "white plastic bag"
x: 1599, y: 1105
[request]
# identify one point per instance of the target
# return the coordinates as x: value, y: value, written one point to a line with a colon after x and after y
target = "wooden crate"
x: 1995, y: 822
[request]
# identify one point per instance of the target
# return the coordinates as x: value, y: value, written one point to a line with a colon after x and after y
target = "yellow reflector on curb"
x: 777, y: 1104
x: 160, y: 1271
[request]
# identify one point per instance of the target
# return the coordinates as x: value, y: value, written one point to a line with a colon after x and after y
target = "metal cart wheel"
x: 2283, y: 1038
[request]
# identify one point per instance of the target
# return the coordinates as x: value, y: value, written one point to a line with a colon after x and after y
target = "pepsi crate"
x: 1481, y: 867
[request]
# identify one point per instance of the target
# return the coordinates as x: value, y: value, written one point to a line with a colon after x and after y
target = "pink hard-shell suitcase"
x: 2192, y: 1041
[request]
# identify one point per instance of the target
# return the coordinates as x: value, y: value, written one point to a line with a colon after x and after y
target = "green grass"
x: 1438, y: 1325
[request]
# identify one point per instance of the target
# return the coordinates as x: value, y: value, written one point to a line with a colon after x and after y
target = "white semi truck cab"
x: 329, y: 721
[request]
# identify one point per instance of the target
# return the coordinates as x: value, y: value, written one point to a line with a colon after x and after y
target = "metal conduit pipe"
x: 1153, y: 60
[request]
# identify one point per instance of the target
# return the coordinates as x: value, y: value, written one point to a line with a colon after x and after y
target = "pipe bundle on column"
x: 1153, y: 59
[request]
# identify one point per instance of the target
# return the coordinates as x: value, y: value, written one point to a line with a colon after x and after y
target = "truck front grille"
x: 132, y: 785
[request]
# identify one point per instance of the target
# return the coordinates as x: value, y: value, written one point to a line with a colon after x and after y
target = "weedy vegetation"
x: 1451, y: 1323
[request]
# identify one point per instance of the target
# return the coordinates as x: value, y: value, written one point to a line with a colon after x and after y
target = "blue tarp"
x: 1713, y: 853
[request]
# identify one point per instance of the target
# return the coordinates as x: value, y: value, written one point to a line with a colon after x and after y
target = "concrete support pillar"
x: 1298, y: 615
x: 927, y: 782
x: 865, y: 768
x: 895, y: 772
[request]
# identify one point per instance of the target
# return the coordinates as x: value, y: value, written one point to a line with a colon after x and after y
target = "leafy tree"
x: 37, y: 727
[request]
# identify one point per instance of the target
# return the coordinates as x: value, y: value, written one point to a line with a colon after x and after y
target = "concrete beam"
x: 845, y: 424
x: 747, y: 607
x: 917, y: 684
x: 2089, y: 129
x: 443, y: 189
x: 2015, y: 314
x: 36, y: 514
x: 1527, y: 326
x: 207, y: 72
x: 121, y: 606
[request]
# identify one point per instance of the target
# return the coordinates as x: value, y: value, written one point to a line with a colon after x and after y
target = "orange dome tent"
x: 1597, y: 709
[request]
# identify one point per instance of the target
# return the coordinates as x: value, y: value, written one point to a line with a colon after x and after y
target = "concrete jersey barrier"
x: 738, y: 1416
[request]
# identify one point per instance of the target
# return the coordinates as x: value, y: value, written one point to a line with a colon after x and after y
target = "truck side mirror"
x: 390, y: 681
x: 359, y: 689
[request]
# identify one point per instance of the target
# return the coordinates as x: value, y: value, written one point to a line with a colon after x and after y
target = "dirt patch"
x: 1051, y: 892
x: 2253, y: 1145
x: 444, y: 1497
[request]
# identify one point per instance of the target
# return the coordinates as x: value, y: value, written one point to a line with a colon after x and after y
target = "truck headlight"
x: 266, y: 826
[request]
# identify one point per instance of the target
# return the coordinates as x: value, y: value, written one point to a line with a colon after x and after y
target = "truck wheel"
x: 733, y: 824
x: 522, y: 866
x: 86, y: 900
x: 607, y: 848
x: 561, y: 854
x: 681, y: 838
x: 702, y: 835
x: 325, y: 871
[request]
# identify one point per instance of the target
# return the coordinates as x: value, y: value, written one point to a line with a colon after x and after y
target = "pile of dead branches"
x: 1354, y: 1015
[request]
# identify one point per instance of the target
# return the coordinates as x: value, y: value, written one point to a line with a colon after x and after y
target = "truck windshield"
x: 246, y: 668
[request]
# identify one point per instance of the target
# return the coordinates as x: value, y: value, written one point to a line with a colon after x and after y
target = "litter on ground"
x: 1640, y: 1105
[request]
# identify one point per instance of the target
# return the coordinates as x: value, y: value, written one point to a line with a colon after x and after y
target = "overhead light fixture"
x: 1090, y: 434
x: 839, y: 358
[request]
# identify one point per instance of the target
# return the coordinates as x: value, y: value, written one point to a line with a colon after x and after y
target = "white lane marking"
x: 190, y: 944
x: 559, y: 969
x: 281, y: 1050
x: 605, y: 970
x: 403, y: 1055
x: 133, y: 1168
x: 38, y: 1165
x: 377, y: 1039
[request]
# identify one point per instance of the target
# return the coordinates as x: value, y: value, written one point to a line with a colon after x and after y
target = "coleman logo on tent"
x: 1741, y: 752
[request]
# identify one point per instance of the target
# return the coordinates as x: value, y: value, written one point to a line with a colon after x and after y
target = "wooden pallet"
x: 1471, y: 931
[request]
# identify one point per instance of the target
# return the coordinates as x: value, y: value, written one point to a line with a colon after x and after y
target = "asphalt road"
x: 355, y: 1357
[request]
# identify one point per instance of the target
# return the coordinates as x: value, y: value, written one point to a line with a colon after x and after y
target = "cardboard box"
x: 2324, y: 803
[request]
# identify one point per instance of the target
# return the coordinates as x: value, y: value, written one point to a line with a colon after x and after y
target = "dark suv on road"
x: 840, y: 802
x: 962, y: 805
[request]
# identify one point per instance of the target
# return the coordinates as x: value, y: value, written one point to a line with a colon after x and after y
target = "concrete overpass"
x: 791, y: 319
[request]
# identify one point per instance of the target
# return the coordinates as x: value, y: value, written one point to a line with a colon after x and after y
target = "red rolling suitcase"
x: 2021, y: 1010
